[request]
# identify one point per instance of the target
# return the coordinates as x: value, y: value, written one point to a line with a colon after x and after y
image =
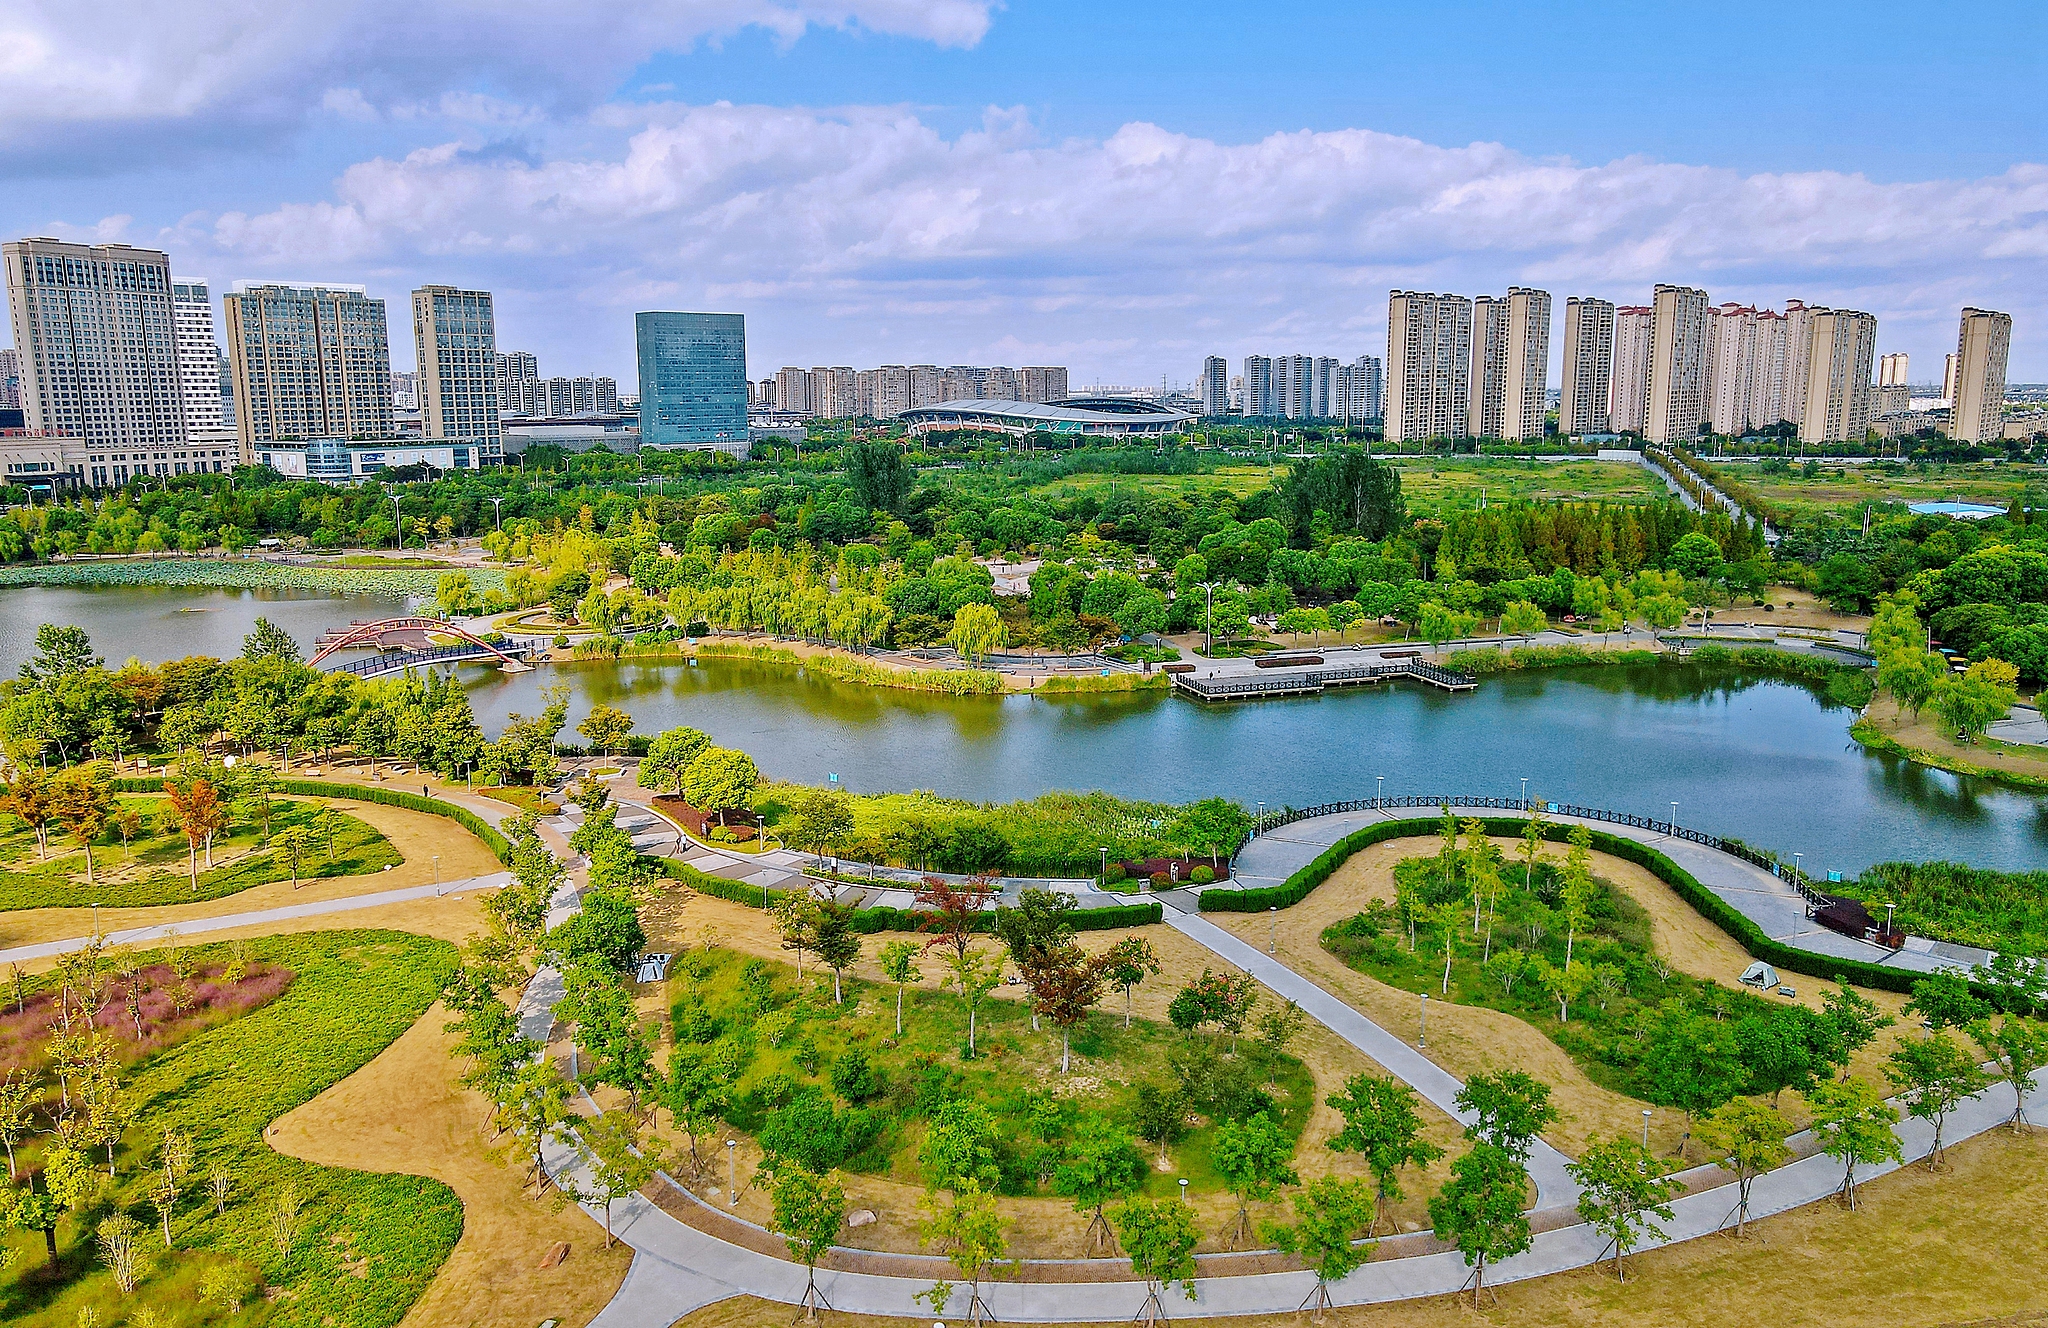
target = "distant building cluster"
x: 1669, y: 370
x: 1293, y: 387
x: 842, y: 392
x: 524, y: 394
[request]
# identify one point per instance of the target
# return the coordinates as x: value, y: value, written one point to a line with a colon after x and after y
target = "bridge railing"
x: 1280, y: 682
x: 415, y: 658
x: 1733, y: 847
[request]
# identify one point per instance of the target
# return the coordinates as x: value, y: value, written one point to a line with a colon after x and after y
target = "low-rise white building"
x: 342, y: 460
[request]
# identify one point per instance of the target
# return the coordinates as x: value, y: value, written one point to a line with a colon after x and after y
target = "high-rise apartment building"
x: 198, y: 357
x: 455, y: 344
x: 583, y: 395
x: 1000, y: 383
x: 793, y: 390
x: 561, y: 397
x: 1892, y: 369
x: 1767, y: 370
x: 1526, y: 381
x: 605, y: 395
x: 1042, y: 383
x: 1429, y: 361
x: 1215, y: 389
x: 1292, y: 385
x: 1731, y: 363
x: 927, y: 385
x: 311, y: 361
x: 1588, y: 366
x: 1977, y: 408
x: 1839, y: 359
x: 518, y: 383
x: 1799, y: 317
x: 95, y: 330
x: 1258, y: 387
x: 1628, y: 402
x: 1361, y: 385
x: 962, y: 383
x: 1487, y: 386
x: 1678, y: 365
x: 693, y: 380
x: 1324, y: 393
x: 834, y: 392
x: 1948, y: 378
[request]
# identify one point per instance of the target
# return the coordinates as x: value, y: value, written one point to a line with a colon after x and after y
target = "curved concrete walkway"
x: 677, y: 1268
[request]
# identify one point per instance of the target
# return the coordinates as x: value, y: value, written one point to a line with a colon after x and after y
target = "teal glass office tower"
x: 693, y: 379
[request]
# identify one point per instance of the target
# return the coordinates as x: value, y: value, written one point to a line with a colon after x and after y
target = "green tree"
x: 1130, y: 961
x: 1855, y: 1018
x: 822, y: 819
x: 1252, y: 1157
x: 1101, y: 1163
x: 269, y: 641
x: 978, y: 631
x: 1479, y: 1210
x: 1439, y: 624
x: 1623, y: 1193
x: 720, y: 780
x: 959, y: 1146
x: 61, y: 652
x: 899, y: 964
x: 880, y: 474
x: 1853, y: 1123
x: 1382, y: 1123
x: 294, y: 846
x: 1944, y: 1000
x: 2017, y: 1048
x: 1510, y: 1109
x: 1691, y: 1062
x: 1747, y: 1138
x: 668, y: 756
x: 82, y: 801
x: 1159, y: 1236
x: 837, y: 943
x: 808, y: 1211
x: 1160, y: 1117
x: 1694, y: 556
x: 1522, y: 618
x: 1328, y: 1218
x: 697, y: 1093
x: 970, y: 1230
x: 1935, y: 1076
x: 606, y: 727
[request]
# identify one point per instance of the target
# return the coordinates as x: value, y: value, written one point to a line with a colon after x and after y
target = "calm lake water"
x: 1760, y: 760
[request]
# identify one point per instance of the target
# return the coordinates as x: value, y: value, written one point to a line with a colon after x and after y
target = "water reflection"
x: 1759, y: 759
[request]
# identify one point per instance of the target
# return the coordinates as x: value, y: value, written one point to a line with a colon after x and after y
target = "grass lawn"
x: 1438, y: 484
x: 366, y: 1245
x: 1804, y: 491
x: 799, y: 1035
x: 1239, y: 481
x: 152, y: 868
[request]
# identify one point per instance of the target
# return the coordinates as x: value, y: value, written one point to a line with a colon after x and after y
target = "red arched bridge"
x: 469, y: 646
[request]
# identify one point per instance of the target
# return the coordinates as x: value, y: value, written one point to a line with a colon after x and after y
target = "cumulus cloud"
x: 865, y: 234
x: 90, y: 85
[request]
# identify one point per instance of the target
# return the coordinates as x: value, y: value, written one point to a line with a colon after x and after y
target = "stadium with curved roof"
x: 1109, y: 416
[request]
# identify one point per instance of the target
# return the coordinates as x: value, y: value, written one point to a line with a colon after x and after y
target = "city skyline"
x: 1001, y: 220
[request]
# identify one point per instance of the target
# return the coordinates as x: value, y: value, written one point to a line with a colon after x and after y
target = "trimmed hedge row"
x: 320, y: 788
x: 1703, y: 901
x: 885, y: 918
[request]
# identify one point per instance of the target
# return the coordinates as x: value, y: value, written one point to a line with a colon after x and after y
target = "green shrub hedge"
x: 884, y: 918
x: 320, y: 788
x: 1704, y: 901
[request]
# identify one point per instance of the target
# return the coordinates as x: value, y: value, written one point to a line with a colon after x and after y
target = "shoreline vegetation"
x: 404, y: 578
x: 842, y: 666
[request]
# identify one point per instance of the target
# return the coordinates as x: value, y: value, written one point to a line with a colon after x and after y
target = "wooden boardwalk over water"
x: 1310, y: 681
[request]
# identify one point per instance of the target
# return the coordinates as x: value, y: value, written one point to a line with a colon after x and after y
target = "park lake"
x: 1760, y: 760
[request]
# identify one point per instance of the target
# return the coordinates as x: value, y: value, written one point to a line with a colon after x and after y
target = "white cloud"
x: 85, y: 84
x: 866, y: 235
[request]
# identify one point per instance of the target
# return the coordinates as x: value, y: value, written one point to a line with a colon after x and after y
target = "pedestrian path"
x: 255, y: 918
x: 1554, y: 1188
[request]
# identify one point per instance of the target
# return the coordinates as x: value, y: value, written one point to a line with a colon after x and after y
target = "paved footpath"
x: 677, y: 1268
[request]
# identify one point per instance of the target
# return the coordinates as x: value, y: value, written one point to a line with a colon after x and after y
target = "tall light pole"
x: 1103, y: 878
x: 498, y: 511
x: 1671, y: 826
x: 1273, y: 942
x: 1209, y: 594
x: 732, y: 1171
x: 1422, y: 1035
x: 1378, y: 790
x: 1262, y: 818
x: 1525, y: 793
x: 397, y: 519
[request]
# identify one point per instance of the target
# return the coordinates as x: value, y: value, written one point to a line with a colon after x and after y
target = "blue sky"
x: 1121, y: 188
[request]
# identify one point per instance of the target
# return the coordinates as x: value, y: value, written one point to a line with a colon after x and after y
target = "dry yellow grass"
x: 1925, y: 1251
x: 1467, y: 1040
x: 404, y: 1112
x: 416, y: 835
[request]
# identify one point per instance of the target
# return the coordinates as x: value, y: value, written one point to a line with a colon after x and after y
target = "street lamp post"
x: 437, y: 873
x: 1378, y: 789
x: 498, y: 511
x: 1262, y: 819
x: 1671, y: 826
x: 1103, y: 877
x: 732, y: 1171
x: 1183, y: 1190
x: 1525, y: 793
x: 1273, y: 942
x: 1422, y: 1033
x: 1209, y: 598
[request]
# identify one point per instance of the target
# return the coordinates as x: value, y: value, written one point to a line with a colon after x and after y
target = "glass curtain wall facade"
x: 693, y: 379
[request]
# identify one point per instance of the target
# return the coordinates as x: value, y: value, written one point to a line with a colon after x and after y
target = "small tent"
x: 1760, y: 975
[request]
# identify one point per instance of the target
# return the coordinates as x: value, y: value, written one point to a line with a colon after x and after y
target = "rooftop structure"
x: 1081, y: 415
